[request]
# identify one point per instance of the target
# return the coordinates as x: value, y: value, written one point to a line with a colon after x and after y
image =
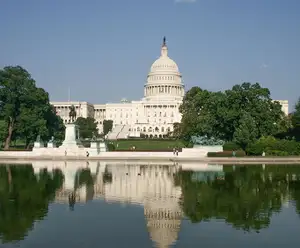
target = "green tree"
x: 176, y: 130
x: 296, y: 115
x: 56, y: 125
x: 39, y: 119
x: 295, y: 119
x: 194, y: 109
x: 3, y: 131
x: 87, y: 127
x: 25, y: 108
x: 16, y: 85
x: 246, y: 133
x: 256, y: 101
x: 219, y: 114
x: 107, y: 126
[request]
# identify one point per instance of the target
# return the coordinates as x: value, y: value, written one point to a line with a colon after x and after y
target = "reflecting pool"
x: 101, y: 204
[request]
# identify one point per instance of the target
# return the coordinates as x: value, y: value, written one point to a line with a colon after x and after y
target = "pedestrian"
x: 87, y: 154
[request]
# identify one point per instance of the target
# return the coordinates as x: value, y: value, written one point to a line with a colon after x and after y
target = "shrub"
x: 231, y: 146
x: 274, y: 147
x: 111, y: 147
x: 226, y: 154
x: 255, y: 149
x: 277, y: 153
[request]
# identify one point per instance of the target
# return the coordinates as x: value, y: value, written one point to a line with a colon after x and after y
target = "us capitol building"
x: 153, y: 115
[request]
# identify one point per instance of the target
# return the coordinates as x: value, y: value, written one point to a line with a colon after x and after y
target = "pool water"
x: 100, y: 204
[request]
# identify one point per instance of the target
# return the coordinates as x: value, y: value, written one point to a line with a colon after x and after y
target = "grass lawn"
x: 147, y: 144
x: 141, y: 144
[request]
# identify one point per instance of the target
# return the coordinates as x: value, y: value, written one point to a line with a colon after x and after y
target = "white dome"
x: 164, y: 63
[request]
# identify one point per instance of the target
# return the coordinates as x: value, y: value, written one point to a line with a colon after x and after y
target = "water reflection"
x: 24, y: 198
x: 245, y: 197
x: 151, y: 186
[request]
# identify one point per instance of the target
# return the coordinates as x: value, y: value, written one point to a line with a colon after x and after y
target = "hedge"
x: 231, y: 146
x: 226, y: 154
x: 274, y: 147
x: 110, y: 147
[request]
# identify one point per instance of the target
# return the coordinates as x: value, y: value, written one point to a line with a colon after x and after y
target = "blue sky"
x: 103, y: 50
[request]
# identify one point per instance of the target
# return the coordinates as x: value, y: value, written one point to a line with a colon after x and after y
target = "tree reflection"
x: 84, y: 177
x: 245, y: 197
x: 24, y: 198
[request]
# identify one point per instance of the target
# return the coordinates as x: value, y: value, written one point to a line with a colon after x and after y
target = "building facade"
x: 154, y: 115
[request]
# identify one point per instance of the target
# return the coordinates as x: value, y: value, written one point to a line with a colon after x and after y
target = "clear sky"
x: 103, y: 50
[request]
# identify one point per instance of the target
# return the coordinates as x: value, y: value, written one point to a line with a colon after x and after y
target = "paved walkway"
x: 230, y: 160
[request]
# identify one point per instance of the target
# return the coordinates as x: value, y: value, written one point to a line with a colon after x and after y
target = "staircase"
x: 119, y: 132
x: 113, y: 134
x: 124, y: 133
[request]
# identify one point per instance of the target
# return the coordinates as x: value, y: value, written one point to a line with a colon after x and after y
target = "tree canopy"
x: 87, y: 127
x: 244, y: 113
x: 295, y: 119
x: 25, y: 109
x: 107, y: 126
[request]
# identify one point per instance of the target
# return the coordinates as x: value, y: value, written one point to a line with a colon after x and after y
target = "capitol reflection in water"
x: 64, y: 204
x: 151, y: 186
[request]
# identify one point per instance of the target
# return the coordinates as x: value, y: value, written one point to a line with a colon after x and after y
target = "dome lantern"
x: 164, y: 48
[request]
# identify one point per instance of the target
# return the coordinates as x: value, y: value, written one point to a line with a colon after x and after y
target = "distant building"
x: 285, y: 106
x: 153, y: 115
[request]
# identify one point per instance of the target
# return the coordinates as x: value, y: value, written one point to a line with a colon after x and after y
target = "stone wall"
x: 79, y: 152
x: 209, y: 148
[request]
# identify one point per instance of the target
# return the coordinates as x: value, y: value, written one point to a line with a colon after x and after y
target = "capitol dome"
x: 164, y: 63
x: 164, y: 79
